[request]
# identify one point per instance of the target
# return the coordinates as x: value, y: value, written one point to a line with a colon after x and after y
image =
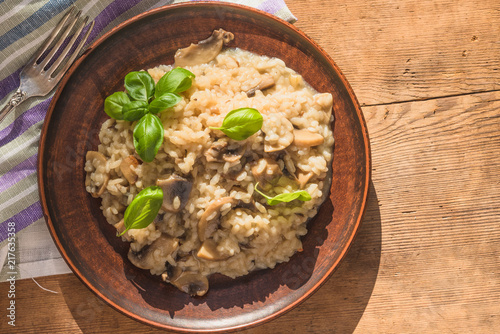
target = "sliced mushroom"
x: 303, y: 178
x: 191, y: 283
x: 176, y: 192
x: 126, y: 168
x: 98, y: 159
x: 171, y: 272
x: 266, y: 171
x: 305, y: 138
x: 220, y: 152
x: 234, y: 155
x: 208, y: 251
x: 209, y: 221
x: 215, y: 152
x: 205, y: 51
x: 120, y: 227
x: 267, y: 81
x: 147, y: 256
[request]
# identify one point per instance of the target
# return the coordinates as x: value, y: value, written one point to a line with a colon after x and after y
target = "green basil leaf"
x: 301, y: 195
x: 113, y: 105
x: 239, y: 124
x: 163, y: 102
x: 134, y: 110
x: 140, y: 85
x: 143, y: 209
x: 174, y: 81
x: 148, y: 137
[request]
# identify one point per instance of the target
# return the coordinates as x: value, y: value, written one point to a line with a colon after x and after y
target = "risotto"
x: 212, y: 220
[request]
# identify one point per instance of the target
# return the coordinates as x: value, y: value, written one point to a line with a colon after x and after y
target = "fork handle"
x: 16, y: 99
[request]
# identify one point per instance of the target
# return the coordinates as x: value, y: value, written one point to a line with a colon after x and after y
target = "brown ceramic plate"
x: 88, y: 243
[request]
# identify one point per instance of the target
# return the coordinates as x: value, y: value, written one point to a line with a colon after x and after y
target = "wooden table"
x: 427, y: 257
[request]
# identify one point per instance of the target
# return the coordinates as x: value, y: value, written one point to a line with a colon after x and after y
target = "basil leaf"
x: 239, y: 124
x: 140, y: 85
x: 174, y: 81
x: 134, y: 110
x: 148, y: 137
x: 113, y: 105
x: 301, y: 195
x: 163, y: 102
x: 143, y: 209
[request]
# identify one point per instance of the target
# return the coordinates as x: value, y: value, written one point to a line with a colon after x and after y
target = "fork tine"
x: 41, y: 50
x: 75, y: 54
x: 61, y: 39
x: 68, y: 47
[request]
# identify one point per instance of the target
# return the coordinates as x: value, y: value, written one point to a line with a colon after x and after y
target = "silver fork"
x: 39, y: 77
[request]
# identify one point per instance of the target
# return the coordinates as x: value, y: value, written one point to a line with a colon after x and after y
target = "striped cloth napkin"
x: 24, y: 25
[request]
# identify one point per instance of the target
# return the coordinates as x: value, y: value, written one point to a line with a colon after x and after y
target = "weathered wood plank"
x: 393, y: 51
x: 436, y: 173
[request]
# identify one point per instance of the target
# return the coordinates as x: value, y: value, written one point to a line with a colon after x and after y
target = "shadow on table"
x: 353, y: 282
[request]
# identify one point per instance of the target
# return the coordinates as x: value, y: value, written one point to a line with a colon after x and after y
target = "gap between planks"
x: 428, y: 98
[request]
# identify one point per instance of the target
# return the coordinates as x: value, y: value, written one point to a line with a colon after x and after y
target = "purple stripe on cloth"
x: 271, y: 6
x: 24, y: 122
x: 9, y: 83
x: 19, y: 172
x: 22, y: 220
x: 110, y: 13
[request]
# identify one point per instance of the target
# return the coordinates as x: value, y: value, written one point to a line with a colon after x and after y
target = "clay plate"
x: 88, y: 243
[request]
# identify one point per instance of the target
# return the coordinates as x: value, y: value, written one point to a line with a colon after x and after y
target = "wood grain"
x: 393, y: 51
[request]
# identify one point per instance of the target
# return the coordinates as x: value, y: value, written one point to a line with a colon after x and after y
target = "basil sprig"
x: 301, y: 195
x: 142, y: 99
x: 239, y: 124
x: 143, y: 209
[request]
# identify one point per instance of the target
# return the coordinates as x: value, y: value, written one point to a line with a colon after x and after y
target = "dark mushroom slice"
x: 171, y: 272
x: 266, y: 171
x: 205, y: 51
x: 305, y: 138
x: 267, y: 81
x: 234, y: 155
x: 210, y: 219
x: 176, y: 190
x: 191, y: 283
x: 126, y: 168
x: 208, y: 251
x: 219, y: 151
x: 216, y: 151
x: 97, y: 159
x: 146, y: 258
